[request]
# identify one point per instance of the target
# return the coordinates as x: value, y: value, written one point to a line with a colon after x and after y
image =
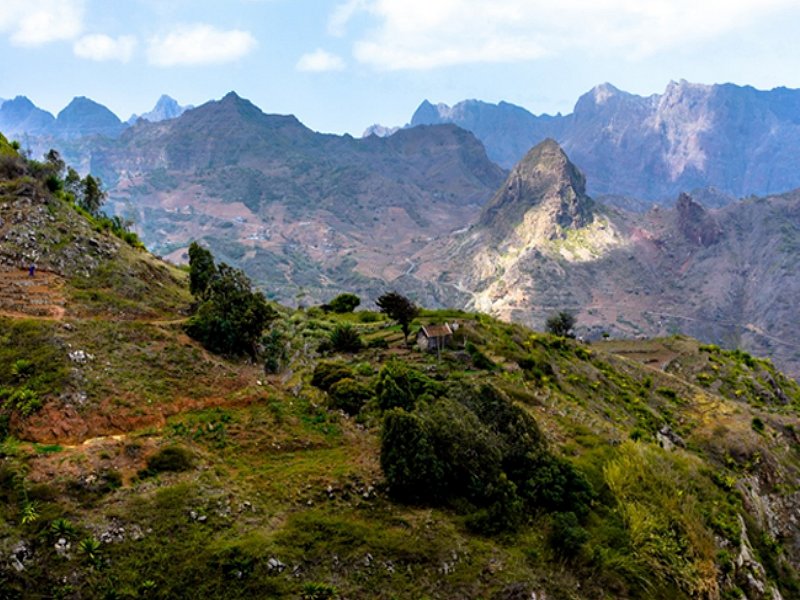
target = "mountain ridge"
x: 733, y: 138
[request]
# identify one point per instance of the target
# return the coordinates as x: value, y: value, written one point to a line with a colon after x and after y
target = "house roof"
x: 434, y: 331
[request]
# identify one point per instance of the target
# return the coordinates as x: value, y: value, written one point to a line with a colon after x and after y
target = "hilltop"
x: 136, y: 463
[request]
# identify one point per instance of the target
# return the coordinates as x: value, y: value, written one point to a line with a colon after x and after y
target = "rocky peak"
x: 695, y: 223
x: 426, y: 114
x: 544, y: 186
x: 166, y: 108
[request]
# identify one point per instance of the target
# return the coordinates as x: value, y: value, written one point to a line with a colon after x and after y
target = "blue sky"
x: 341, y: 65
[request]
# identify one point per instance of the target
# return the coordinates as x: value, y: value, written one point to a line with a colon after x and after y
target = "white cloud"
x: 425, y: 34
x: 101, y: 47
x: 193, y: 45
x: 38, y: 22
x: 319, y: 61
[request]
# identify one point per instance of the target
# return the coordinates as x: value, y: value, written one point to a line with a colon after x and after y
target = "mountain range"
x: 738, y: 140
x: 82, y: 117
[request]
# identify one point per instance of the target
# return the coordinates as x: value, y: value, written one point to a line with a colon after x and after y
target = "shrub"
x: 479, y: 359
x: 22, y: 369
x: 345, y: 338
x: 758, y: 425
x: 344, y: 303
x: 408, y: 459
x: 319, y: 591
x: 273, y: 350
x: 327, y: 373
x: 170, y: 459
x: 400, y: 386
x: 504, y: 512
x: 349, y: 395
x: 566, y: 535
x: 561, y: 324
x: 553, y: 484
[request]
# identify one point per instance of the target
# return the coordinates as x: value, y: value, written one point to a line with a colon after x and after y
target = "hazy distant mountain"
x: 506, y: 130
x: 739, y: 140
x: 726, y: 276
x: 85, y: 117
x: 303, y: 212
x: 20, y: 116
x: 165, y: 108
x: 379, y: 130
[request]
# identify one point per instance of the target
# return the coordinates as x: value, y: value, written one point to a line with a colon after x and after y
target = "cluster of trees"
x: 471, y: 447
x: 229, y: 317
x: 457, y: 444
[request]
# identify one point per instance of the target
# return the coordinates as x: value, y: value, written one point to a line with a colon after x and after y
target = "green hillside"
x: 136, y: 463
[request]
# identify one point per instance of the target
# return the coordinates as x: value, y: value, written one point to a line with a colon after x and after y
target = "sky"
x: 342, y: 65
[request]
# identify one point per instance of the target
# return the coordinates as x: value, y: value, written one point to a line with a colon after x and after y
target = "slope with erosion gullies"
x: 303, y: 212
x: 725, y: 276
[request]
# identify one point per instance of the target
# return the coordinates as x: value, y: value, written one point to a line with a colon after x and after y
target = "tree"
x: 72, y: 183
x: 562, y: 324
x: 92, y: 194
x: 399, y: 308
x: 201, y: 270
x: 344, y: 303
x: 232, y: 317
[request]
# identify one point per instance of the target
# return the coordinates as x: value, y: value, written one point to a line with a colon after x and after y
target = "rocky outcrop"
x: 695, y: 223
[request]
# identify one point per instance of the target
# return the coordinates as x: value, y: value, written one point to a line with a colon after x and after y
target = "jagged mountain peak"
x: 544, y: 182
x: 165, y: 108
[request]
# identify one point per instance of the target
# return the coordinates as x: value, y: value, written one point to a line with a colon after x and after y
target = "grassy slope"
x: 277, y: 475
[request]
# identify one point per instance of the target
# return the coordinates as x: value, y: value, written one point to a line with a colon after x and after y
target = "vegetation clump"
x: 399, y: 308
x: 231, y: 317
x: 172, y: 459
x: 343, y: 303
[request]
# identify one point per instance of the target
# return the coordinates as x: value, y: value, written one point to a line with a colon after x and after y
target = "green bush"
x: 408, y: 459
x: 399, y: 385
x: 273, y: 351
x: 349, y: 395
x: 345, y: 338
x: 567, y: 537
x: 344, y: 303
x: 553, y: 484
x: 170, y: 459
x: 327, y: 373
x: 479, y: 359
